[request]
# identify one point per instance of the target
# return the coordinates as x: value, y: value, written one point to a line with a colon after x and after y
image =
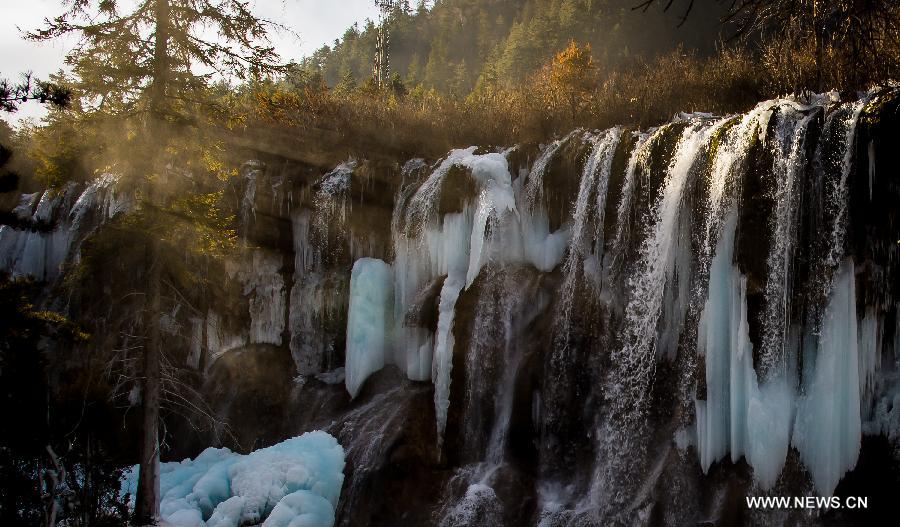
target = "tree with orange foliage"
x: 573, y: 77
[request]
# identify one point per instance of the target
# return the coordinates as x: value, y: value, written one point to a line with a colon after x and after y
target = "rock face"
x: 620, y: 327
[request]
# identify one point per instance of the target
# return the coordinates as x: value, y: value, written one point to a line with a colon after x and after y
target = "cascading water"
x: 789, y: 161
x: 582, y: 264
x: 635, y: 361
x: 600, y: 331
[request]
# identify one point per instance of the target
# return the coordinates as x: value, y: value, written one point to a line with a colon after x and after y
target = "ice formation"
x: 673, y: 282
x: 295, y: 483
x: 61, y: 218
x: 264, y: 286
x: 368, y: 321
x: 308, y: 302
x: 457, y: 245
x: 828, y: 429
x: 738, y: 415
x: 542, y: 248
x: 759, y: 420
x: 221, y: 337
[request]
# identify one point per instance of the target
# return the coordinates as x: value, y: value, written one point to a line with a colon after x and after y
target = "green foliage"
x: 190, y: 230
x: 21, y: 323
x: 203, y: 227
x: 64, y: 146
x: 117, y: 63
x: 141, y: 104
x: 516, y: 37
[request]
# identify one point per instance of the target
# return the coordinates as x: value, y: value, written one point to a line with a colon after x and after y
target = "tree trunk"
x: 53, y: 478
x: 146, y: 509
x: 160, y: 80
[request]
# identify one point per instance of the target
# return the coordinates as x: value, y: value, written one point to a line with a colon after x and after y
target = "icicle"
x: 193, y: 360
x: 542, y: 248
x: 248, y: 201
x: 264, y: 285
x: 738, y: 415
x: 496, y: 198
x: 827, y: 431
x: 426, y: 246
x: 443, y: 351
x: 331, y: 202
x: 219, y: 339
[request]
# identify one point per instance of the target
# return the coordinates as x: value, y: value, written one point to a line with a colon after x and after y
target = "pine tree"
x: 31, y: 89
x: 459, y: 82
x: 138, y: 63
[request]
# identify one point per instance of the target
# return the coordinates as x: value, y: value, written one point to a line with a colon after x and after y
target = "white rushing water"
x: 635, y: 361
x: 837, y: 194
x: 586, y: 246
x: 789, y: 162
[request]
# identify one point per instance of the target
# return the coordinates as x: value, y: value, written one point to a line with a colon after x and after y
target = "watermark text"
x: 807, y: 502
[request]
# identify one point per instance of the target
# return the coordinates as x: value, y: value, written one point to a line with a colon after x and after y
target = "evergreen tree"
x: 30, y: 89
x: 528, y: 32
x: 459, y: 82
x: 137, y: 61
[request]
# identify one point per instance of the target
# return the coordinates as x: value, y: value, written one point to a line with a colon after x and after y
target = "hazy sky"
x: 316, y: 21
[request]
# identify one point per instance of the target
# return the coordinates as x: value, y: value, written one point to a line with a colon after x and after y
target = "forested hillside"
x: 457, y: 43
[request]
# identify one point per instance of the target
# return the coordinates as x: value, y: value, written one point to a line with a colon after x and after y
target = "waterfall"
x: 606, y: 326
x: 789, y: 162
x: 635, y: 362
x: 586, y: 246
x: 676, y: 263
x: 53, y: 226
x: 838, y: 191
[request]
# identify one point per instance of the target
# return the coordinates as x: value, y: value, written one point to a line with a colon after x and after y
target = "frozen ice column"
x: 371, y: 299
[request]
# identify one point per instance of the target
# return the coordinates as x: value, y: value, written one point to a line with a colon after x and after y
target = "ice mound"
x: 295, y: 483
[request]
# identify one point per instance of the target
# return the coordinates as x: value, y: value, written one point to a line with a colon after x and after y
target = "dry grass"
x: 425, y: 123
